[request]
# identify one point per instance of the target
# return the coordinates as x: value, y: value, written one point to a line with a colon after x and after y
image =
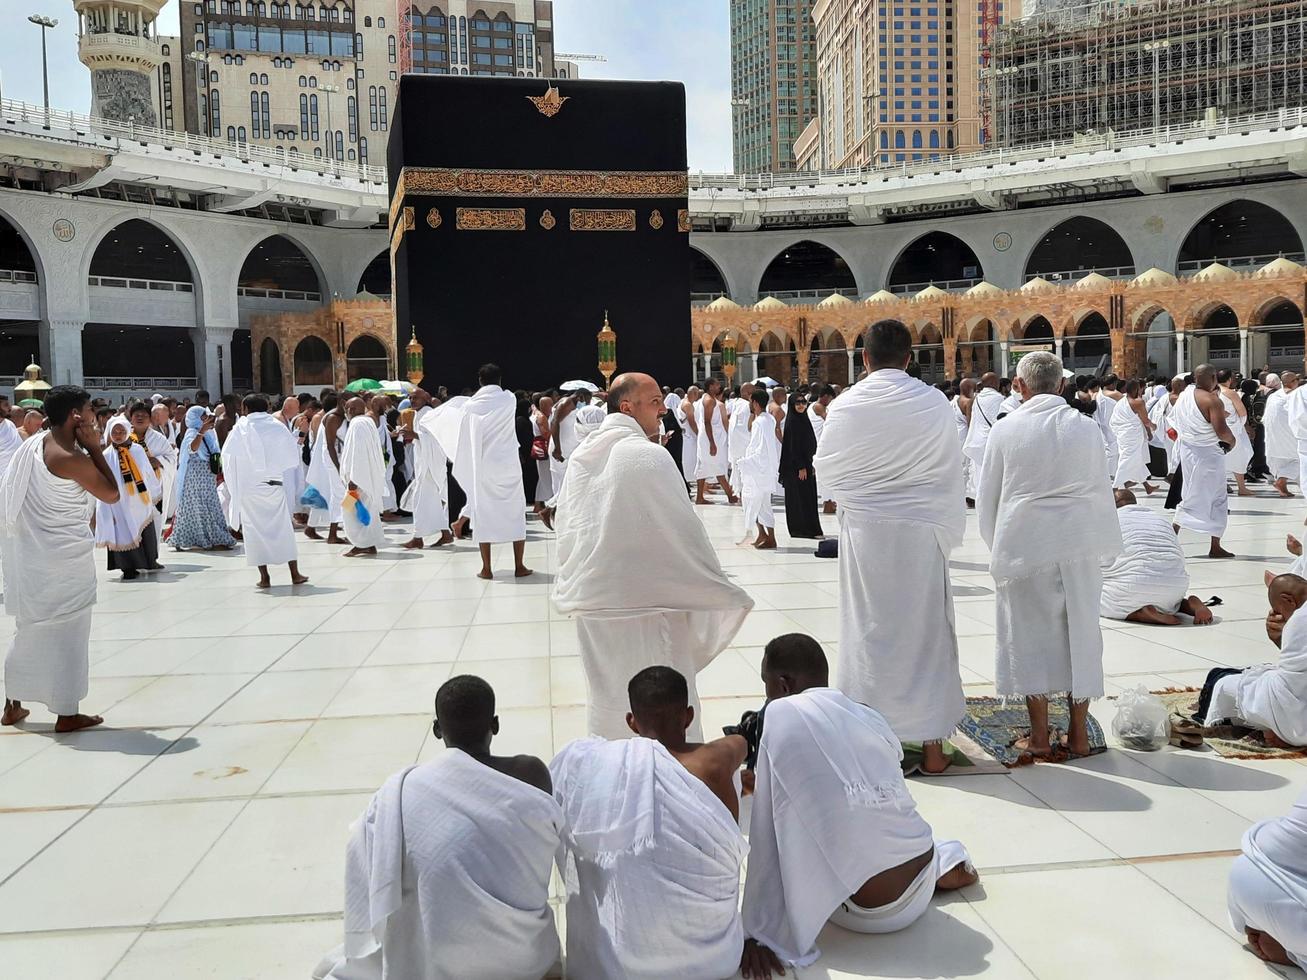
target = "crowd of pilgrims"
x: 454, y: 857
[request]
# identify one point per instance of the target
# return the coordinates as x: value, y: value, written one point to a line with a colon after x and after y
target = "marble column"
x: 213, y: 358
x: 1179, y: 353
x: 60, y: 341
x: 1243, y: 351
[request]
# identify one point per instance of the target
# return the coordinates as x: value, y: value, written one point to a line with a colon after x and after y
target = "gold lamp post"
x: 728, y: 359
x: 31, y: 387
x: 607, y: 351
x: 413, y: 357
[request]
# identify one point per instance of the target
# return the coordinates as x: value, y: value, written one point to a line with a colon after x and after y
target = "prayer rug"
x: 994, y: 725
x: 1227, y: 741
x: 966, y: 758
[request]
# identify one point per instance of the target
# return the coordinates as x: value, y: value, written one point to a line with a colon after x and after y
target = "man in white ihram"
x: 1198, y: 418
x: 985, y: 409
x: 1047, y: 515
x: 363, y: 471
x: 487, y: 467
x: 909, y: 505
x: 258, y: 454
x: 635, y: 566
x: 1281, y: 444
x: 1147, y: 582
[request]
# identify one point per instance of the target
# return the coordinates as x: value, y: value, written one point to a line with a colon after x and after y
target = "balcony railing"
x: 154, y: 285
x: 255, y: 292
x: 1191, y: 266
x: 1072, y: 275
x: 817, y: 294
x: 107, y: 383
x: 948, y: 285
x: 17, y: 275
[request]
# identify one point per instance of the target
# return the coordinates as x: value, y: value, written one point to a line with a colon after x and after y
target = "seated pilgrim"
x: 834, y: 834
x: 1147, y: 582
x: 652, y: 846
x: 1270, y: 697
x: 1267, y: 893
x: 447, y: 871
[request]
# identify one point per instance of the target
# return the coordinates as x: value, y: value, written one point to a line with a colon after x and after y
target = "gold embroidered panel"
x: 541, y: 183
x: 683, y: 220
x: 600, y: 219
x: 490, y: 219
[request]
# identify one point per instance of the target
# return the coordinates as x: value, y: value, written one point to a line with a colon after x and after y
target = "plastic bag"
x: 1141, y: 720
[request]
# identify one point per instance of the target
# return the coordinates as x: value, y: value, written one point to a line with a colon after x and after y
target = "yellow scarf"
x: 158, y: 467
x: 132, y: 480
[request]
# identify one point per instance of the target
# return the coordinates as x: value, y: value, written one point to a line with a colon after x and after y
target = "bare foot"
x: 75, y: 723
x: 485, y: 573
x: 360, y: 552
x: 459, y: 527
x: 733, y: 501
x: 445, y: 538
x: 828, y: 507
x: 1267, y: 947
x: 1274, y: 741
x: 765, y: 546
x: 955, y: 878
x: 14, y: 713
x: 547, y: 518
x: 1282, y: 488
x: 1025, y: 747
x: 264, y: 583
x: 414, y: 545
x: 1293, y: 545
x: 1077, y: 749
x: 934, y: 760
x: 1198, y: 609
x: 1153, y: 616
x: 701, y: 502
x: 522, y: 572
x: 1246, y: 493
x: 1149, y: 488
x: 1219, y: 553
x: 336, y: 539
x: 298, y: 579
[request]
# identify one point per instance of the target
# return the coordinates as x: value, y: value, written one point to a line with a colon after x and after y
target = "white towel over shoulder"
x: 652, y: 866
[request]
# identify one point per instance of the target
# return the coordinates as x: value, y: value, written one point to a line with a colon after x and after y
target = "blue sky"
x: 682, y: 40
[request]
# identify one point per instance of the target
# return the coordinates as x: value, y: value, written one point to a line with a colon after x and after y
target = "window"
x: 358, y: 46
x: 349, y: 84
x: 899, y: 141
x: 263, y: 78
x: 480, y: 42
x: 381, y: 22
x: 372, y: 107
x: 313, y: 116
x: 934, y: 140
x: 304, y: 117
x: 352, y: 108
x: 381, y: 107
x: 504, y: 60
x: 317, y: 152
x: 267, y: 116
x: 480, y: 59
x: 304, y: 82
x: 340, y: 145
x: 254, y: 113
x: 213, y: 77
x: 231, y: 134
x: 240, y: 135
x: 367, y: 21
x: 215, y: 118
x: 363, y: 150
x: 313, y: 82
x: 480, y: 24
x: 390, y: 47
x: 504, y: 43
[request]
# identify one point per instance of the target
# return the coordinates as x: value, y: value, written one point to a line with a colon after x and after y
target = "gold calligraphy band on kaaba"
x: 490, y: 219
x: 465, y: 182
x: 600, y: 219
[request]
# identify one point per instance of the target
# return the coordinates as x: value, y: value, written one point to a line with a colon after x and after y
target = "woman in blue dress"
x: 199, y: 524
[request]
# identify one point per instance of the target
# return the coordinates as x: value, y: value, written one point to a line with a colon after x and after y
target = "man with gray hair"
x: 1049, y: 519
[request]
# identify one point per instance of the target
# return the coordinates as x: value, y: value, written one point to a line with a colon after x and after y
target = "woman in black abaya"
x: 798, y: 446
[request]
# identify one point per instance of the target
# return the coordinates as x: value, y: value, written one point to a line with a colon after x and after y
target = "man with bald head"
x: 985, y: 409
x: 684, y: 415
x: 1281, y: 444
x: 364, y: 475
x: 635, y: 567
x: 1198, y: 419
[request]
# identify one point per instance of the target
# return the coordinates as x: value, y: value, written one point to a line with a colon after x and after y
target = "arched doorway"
x: 777, y: 359
x: 1090, y: 345
x: 976, y: 351
x: 376, y: 277
x: 807, y: 270
x: 270, y: 367
x: 936, y: 259
x: 706, y: 280
x: 312, y: 364
x: 828, y: 362
x: 366, y: 357
x: 1078, y: 246
x: 1241, y: 234
x: 1281, y: 335
x: 929, y: 352
x: 277, y: 268
x: 138, y: 255
x: 16, y: 261
x: 1217, y: 339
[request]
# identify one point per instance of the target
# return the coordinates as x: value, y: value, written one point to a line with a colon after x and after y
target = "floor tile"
x: 257, y: 951
x: 344, y: 754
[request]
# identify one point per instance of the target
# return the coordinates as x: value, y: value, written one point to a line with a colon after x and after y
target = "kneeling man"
x: 1147, y: 582
x: 447, y: 872
x: 1270, y: 697
x: 653, y: 852
x: 834, y: 833
x: 1268, y: 888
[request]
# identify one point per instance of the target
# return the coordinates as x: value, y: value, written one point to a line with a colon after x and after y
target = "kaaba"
x: 523, y: 211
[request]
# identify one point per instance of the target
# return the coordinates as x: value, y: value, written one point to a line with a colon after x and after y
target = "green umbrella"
x: 31, y: 403
x: 363, y: 384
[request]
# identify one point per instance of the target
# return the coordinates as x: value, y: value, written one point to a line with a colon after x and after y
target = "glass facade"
x: 773, y: 81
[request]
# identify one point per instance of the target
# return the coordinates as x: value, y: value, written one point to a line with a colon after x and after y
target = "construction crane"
x: 580, y: 57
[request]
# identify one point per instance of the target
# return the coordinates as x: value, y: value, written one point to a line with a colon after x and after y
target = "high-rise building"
x: 478, y: 37
x: 773, y: 81
x: 900, y: 80
x: 117, y: 41
x: 1112, y: 66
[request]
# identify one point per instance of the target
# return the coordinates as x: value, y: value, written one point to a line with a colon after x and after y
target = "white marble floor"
x: 201, y: 832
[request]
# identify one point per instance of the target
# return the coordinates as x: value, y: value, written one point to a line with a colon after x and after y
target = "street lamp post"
x: 201, y: 59
x: 330, y: 90
x: 45, y: 23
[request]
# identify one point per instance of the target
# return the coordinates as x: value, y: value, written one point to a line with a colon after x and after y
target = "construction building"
x: 1113, y: 66
x: 899, y: 80
x: 477, y: 37
x: 773, y: 81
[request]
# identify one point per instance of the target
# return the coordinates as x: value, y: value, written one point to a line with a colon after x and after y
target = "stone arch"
x: 777, y: 357
x: 1263, y: 314
x: 706, y: 276
x: 375, y: 278
x: 1078, y: 245
x: 313, y: 367
x: 270, y: 376
x: 279, y: 264
x: 828, y: 358
x: 1280, y: 343
x: 165, y: 238
x: 935, y: 257
x: 807, y: 266
x: 366, y: 357
x: 1090, y: 339
x: 18, y: 253
x: 1238, y: 228
x: 1037, y: 329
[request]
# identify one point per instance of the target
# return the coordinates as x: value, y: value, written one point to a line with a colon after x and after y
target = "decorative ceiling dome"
x: 835, y: 299
x: 930, y: 292
x: 882, y: 296
x: 1154, y: 277
x: 722, y: 303
x: 1037, y: 285
x: 983, y: 289
x: 1279, y: 267
x: 1216, y: 272
x: 1092, y: 281
x: 769, y: 303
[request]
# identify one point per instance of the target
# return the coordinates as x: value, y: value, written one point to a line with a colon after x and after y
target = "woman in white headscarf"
x: 125, y: 528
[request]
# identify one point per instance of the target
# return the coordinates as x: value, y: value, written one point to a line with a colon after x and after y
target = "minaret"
x: 118, y: 43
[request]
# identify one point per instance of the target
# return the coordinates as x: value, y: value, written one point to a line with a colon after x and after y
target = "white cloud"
x: 680, y: 40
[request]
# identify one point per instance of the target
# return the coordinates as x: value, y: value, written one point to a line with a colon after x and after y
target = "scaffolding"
x: 1118, y: 65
